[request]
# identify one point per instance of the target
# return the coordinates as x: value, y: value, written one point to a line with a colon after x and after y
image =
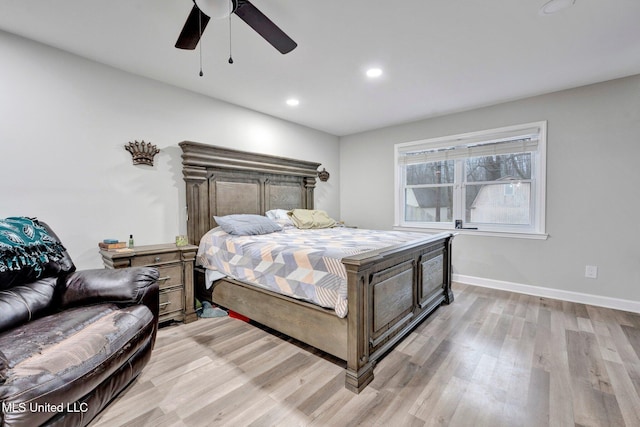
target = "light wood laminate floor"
x: 492, y: 358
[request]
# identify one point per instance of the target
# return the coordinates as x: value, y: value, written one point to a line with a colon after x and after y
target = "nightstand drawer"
x: 175, y: 268
x: 171, y: 300
x: 170, y: 275
x: 158, y: 258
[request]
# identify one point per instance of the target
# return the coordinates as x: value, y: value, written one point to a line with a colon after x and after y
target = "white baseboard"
x: 616, y: 303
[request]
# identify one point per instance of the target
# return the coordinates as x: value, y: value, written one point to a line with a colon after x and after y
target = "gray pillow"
x: 246, y: 224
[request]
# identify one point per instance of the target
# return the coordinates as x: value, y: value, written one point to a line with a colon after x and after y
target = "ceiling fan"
x: 204, y: 10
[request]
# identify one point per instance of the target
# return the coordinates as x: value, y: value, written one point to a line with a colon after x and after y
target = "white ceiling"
x: 438, y: 56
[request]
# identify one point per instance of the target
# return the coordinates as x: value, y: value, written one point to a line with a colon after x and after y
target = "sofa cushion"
x: 58, y: 359
x: 23, y: 303
x: 29, y: 250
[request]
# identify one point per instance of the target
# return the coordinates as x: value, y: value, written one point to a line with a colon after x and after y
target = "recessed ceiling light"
x: 292, y: 102
x: 374, y: 72
x: 553, y: 6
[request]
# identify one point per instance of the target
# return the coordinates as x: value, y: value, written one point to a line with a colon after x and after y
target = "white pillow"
x: 277, y: 214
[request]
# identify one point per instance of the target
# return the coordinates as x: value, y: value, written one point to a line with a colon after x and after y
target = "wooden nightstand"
x: 175, y: 264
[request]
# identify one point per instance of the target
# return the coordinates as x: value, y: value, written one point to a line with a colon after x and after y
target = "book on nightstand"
x: 112, y: 246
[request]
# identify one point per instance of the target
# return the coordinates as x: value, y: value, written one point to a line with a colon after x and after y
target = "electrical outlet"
x: 591, y: 271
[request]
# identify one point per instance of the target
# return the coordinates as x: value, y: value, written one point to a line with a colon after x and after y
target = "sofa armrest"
x: 127, y: 286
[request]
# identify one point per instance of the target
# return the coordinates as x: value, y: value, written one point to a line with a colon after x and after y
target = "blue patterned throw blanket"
x: 26, y: 244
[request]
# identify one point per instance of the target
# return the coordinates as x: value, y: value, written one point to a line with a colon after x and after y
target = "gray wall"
x: 593, y: 189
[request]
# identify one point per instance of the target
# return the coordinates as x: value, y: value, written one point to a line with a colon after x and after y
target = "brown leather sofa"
x: 70, y: 341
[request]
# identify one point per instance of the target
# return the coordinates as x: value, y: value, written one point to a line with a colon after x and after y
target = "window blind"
x: 463, y: 152
x: 512, y: 142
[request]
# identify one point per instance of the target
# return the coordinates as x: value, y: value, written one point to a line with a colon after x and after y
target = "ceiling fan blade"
x: 264, y: 26
x: 193, y: 28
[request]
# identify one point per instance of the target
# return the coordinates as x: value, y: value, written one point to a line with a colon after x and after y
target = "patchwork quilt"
x: 303, y: 264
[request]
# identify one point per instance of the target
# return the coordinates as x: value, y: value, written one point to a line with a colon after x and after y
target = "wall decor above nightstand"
x: 324, y: 175
x: 175, y: 264
x: 142, y: 153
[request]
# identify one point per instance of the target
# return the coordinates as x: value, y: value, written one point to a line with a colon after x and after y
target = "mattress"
x: 303, y: 264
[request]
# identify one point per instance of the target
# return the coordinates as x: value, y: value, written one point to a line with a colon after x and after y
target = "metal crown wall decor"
x: 142, y: 152
x: 323, y: 175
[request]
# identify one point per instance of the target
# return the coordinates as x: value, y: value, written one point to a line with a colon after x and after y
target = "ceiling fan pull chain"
x: 230, y: 58
x: 200, y: 44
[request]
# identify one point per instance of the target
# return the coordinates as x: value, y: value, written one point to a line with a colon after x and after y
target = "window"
x: 492, y: 181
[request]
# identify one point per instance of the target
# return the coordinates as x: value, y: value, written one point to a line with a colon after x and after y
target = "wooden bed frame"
x: 390, y: 290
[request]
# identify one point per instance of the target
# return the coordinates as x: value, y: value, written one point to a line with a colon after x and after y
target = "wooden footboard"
x: 390, y: 291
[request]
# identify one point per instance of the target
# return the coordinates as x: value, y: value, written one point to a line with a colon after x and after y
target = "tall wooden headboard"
x: 222, y: 181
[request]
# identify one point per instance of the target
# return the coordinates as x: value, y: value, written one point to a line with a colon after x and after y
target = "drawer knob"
x: 158, y: 259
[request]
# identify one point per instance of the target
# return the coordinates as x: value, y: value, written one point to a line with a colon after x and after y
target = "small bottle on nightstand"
x: 130, y: 241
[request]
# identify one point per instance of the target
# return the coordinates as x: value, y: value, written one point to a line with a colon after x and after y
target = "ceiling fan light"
x: 215, y: 9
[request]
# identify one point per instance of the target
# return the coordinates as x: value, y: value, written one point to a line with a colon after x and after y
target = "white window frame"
x: 537, y: 228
